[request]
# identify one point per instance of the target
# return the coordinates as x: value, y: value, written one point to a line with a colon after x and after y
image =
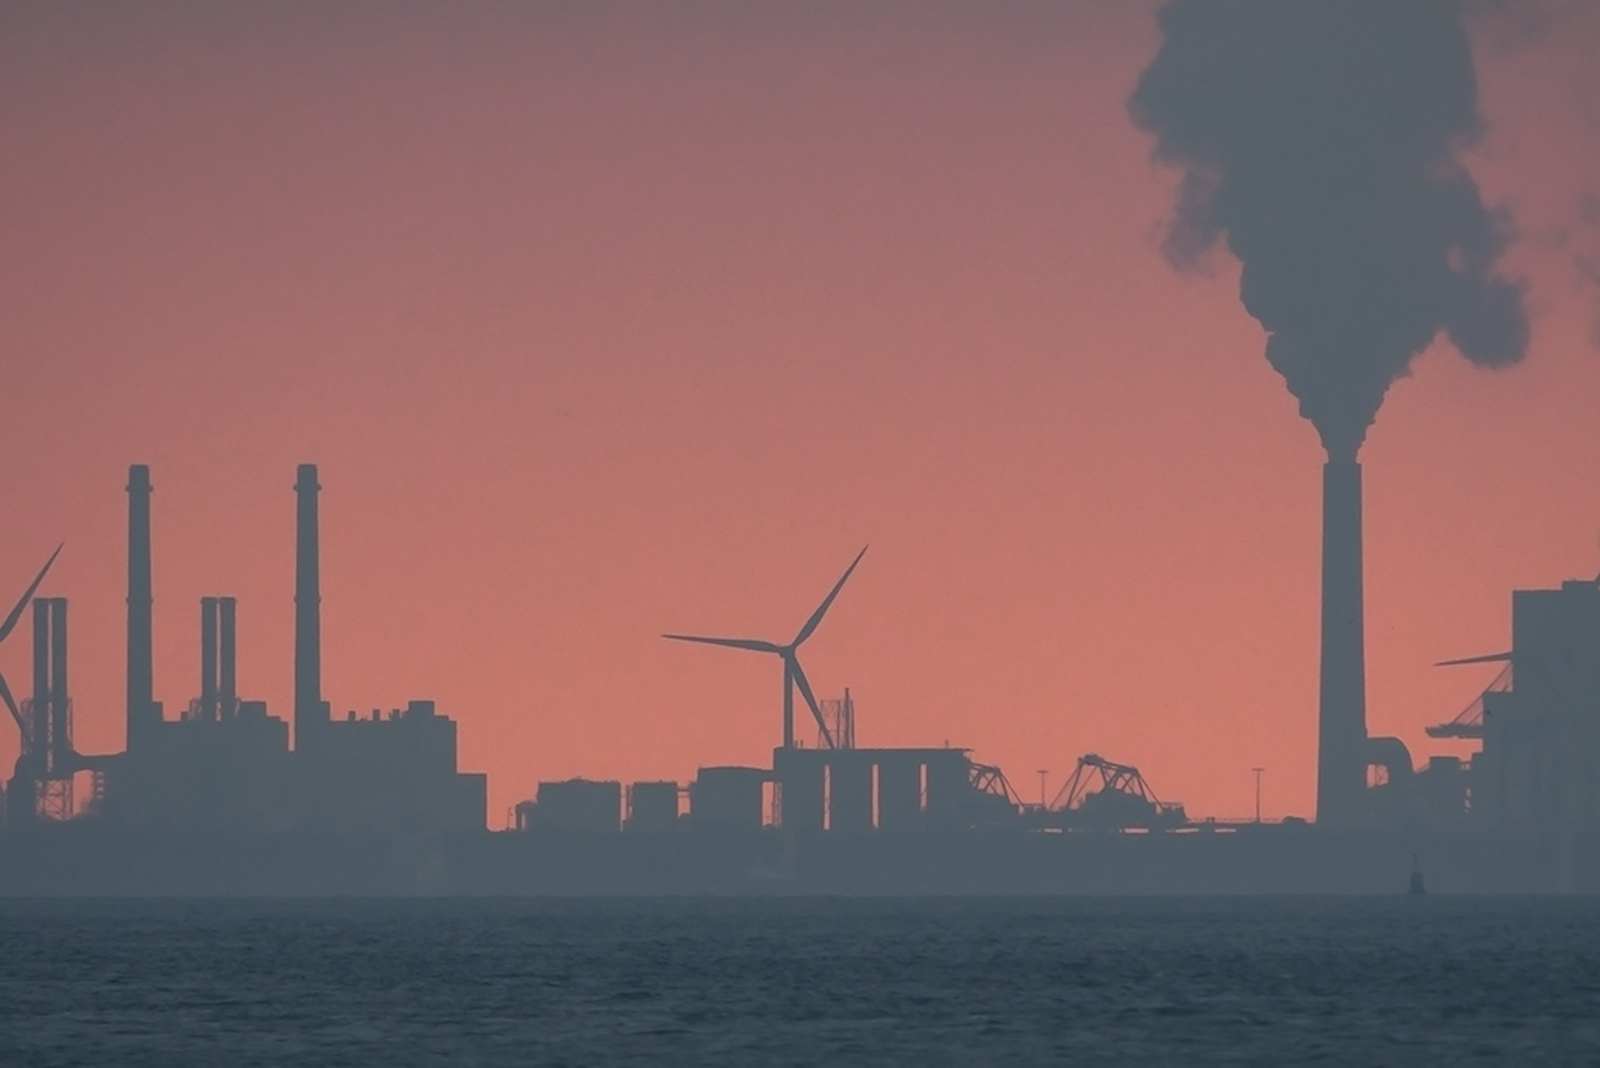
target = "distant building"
x: 392, y: 772
x: 862, y: 789
x: 727, y: 798
x: 227, y: 764
x: 1539, y: 768
x: 652, y: 807
x: 576, y: 805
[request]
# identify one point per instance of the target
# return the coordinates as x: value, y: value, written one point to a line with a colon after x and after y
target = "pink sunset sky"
x: 604, y: 320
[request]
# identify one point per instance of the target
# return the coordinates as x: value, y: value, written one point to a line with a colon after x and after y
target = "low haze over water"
x: 1421, y: 981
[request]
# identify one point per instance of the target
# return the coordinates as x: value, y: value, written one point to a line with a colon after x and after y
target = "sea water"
x: 1269, y: 981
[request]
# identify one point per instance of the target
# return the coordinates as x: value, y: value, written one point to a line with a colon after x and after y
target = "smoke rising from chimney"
x: 1321, y: 138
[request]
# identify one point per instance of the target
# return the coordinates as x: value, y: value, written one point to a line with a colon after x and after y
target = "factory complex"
x: 226, y: 798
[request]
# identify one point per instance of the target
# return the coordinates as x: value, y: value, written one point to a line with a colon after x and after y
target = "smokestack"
x: 50, y: 742
x: 308, y: 706
x: 42, y: 659
x: 1321, y: 143
x: 208, y: 658
x: 1342, y: 712
x: 228, y: 657
x: 142, y: 710
x: 60, y: 731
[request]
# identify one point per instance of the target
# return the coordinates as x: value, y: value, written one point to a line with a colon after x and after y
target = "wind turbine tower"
x: 793, y: 674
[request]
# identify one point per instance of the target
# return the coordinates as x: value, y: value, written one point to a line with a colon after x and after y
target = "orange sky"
x: 605, y: 320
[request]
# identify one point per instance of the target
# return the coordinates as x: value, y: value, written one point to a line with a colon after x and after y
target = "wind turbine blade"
x: 1487, y: 658
x: 16, y: 613
x: 11, y: 703
x: 751, y: 644
x: 811, y: 700
x: 822, y: 609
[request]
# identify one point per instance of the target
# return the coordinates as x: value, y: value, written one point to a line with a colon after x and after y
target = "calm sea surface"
x: 1425, y: 981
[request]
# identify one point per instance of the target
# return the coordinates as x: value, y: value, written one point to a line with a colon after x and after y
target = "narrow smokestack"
x: 1342, y: 720
x: 49, y: 743
x: 142, y: 710
x: 42, y: 663
x: 60, y: 731
x: 208, y: 658
x: 228, y: 657
x: 1322, y: 144
x: 308, y: 707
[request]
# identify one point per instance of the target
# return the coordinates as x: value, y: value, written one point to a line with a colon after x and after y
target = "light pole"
x: 1258, y: 772
x: 1042, y: 773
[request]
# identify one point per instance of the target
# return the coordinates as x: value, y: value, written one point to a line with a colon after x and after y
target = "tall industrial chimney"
x: 308, y: 706
x: 60, y: 723
x: 219, y: 692
x: 228, y: 658
x: 50, y: 744
x: 43, y: 680
x: 208, y: 658
x: 1342, y: 722
x: 142, y: 710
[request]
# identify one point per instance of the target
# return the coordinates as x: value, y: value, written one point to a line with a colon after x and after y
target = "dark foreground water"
x: 1425, y: 981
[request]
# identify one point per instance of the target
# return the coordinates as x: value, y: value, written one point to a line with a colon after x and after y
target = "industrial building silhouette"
x: 226, y: 797
x: 225, y: 763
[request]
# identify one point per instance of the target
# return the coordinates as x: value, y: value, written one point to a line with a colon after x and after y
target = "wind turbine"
x: 6, y: 628
x: 792, y: 674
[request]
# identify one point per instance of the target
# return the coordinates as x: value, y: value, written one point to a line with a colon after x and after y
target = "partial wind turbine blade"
x: 811, y: 700
x: 751, y: 644
x: 11, y: 703
x: 822, y: 609
x: 1487, y: 658
x: 16, y: 613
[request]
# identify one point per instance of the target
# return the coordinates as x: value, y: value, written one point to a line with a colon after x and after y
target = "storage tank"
x: 579, y: 805
x: 652, y: 806
x: 727, y: 797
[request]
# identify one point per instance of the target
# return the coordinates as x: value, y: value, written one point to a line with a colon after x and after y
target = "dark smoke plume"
x: 1322, y: 138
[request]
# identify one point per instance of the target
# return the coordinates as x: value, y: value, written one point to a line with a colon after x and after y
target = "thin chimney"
x: 142, y: 710
x: 49, y: 743
x: 60, y: 729
x: 228, y: 683
x: 208, y: 658
x: 308, y: 706
x: 43, y: 665
x: 1342, y: 720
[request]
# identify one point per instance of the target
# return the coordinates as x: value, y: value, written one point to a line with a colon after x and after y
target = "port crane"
x: 1105, y: 795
